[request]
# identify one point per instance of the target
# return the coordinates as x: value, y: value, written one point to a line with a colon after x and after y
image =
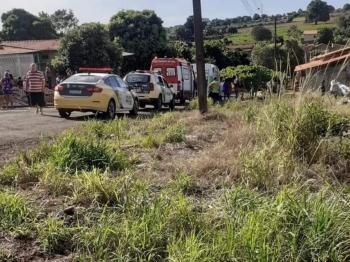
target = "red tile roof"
x: 37, y: 45
x: 7, y: 50
x: 331, y: 57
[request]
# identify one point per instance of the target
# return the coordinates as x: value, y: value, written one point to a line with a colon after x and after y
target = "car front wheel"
x: 172, y: 104
x: 110, y: 114
x: 135, y: 108
x: 64, y: 113
x: 158, y: 103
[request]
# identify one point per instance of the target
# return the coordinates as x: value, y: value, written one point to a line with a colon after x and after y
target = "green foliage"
x: 289, y: 55
x: 54, y: 237
x: 324, y: 36
x: 216, y: 52
x: 14, y: 212
x: 83, y: 153
x: 63, y: 20
x: 78, y: 49
x: 261, y: 33
x: 140, y: 32
x: 251, y: 76
x: 317, y: 11
x: 18, y: 24
x: 294, y: 33
x: 346, y: 7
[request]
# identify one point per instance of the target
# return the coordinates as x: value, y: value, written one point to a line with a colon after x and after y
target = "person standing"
x: 323, y: 87
x: 10, y: 75
x: 35, y: 85
x: 48, y: 75
x: 1, y: 97
x: 20, y: 86
x: 214, y: 88
x: 226, y: 89
x: 6, y: 83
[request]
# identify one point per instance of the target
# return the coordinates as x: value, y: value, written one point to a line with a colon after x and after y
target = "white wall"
x: 309, y: 38
x: 18, y: 65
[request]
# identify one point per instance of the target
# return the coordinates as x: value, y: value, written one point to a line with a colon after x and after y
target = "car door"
x: 113, y: 83
x: 167, y: 91
x: 128, y: 100
x: 160, y: 82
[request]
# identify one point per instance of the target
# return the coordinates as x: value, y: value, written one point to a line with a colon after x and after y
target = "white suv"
x: 151, y: 89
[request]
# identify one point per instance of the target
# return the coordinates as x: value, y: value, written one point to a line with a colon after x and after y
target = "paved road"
x: 21, y: 128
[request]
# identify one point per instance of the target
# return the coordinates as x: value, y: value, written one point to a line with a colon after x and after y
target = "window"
x: 186, y: 74
x: 113, y: 82
x: 138, y: 78
x: 122, y: 84
x: 157, y: 69
x: 160, y: 81
x: 166, y: 83
x: 44, y: 57
x: 170, y: 71
x: 84, y: 79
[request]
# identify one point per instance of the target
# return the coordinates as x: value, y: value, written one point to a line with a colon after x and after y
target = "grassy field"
x: 249, y: 181
x: 244, y: 36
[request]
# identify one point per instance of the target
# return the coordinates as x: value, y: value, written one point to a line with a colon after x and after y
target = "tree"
x: 324, y: 36
x: 18, y: 24
x: 346, y: 7
x: 63, y: 20
x: 344, y: 24
x: 261, y: 33
x: 294, y: 33
x: 89, y: 45
x: 177, y: 49
x: 180, y: 33
x: 142, y: 33
x: 317, y: 11
x: 331, y: 8
x: 232, y: 29
x: 256, y: 17
x: 251, y: 76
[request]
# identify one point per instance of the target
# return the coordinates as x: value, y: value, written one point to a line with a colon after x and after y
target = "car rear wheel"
x: 135, y: 109
x: 64, y: 113
x: 110, y: 114
x: 172, y: 104
x: 158, y: 103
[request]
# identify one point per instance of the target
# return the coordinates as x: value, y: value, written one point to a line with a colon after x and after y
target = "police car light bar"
x: 96, y: 70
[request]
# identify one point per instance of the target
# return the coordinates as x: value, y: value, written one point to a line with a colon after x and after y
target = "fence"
x: 18, y: 64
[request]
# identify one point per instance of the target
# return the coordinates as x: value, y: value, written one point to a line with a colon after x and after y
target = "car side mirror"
x: 131, y: 88
x: 171, y: 86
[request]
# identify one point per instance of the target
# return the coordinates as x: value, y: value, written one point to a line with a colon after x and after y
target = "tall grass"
x: 255, y: 181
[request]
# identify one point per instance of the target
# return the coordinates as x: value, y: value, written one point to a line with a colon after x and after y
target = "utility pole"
x: 275, y: 41
x: 200, y: 60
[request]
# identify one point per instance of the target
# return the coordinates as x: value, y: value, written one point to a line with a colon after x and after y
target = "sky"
x: 172, y: 12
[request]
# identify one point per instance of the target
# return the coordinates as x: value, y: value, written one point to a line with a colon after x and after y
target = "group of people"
x: 33, y: 84
x: 219, y: 91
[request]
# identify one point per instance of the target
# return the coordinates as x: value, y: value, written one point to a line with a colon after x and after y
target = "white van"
x: 211, y: 71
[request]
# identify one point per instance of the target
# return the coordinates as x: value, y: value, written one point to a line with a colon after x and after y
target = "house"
x: 329, y: 66
x: 18, y: 55
x: 309, y: 36
x: 312, y: 50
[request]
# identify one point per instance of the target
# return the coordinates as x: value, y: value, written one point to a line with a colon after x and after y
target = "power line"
x: 248, y: 7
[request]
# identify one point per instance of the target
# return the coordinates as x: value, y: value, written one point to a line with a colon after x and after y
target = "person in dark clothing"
x: 226, y: 89
x: 10, y: 75
x: 323, y: 87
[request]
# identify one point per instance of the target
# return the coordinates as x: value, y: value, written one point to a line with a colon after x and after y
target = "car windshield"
x: 138, y: 78
x: 83, y: 79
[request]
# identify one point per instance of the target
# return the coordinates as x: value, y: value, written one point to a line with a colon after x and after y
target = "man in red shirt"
x: 35, y: 85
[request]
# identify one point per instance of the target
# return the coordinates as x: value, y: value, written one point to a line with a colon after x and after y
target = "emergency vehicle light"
x: 96, y: 70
